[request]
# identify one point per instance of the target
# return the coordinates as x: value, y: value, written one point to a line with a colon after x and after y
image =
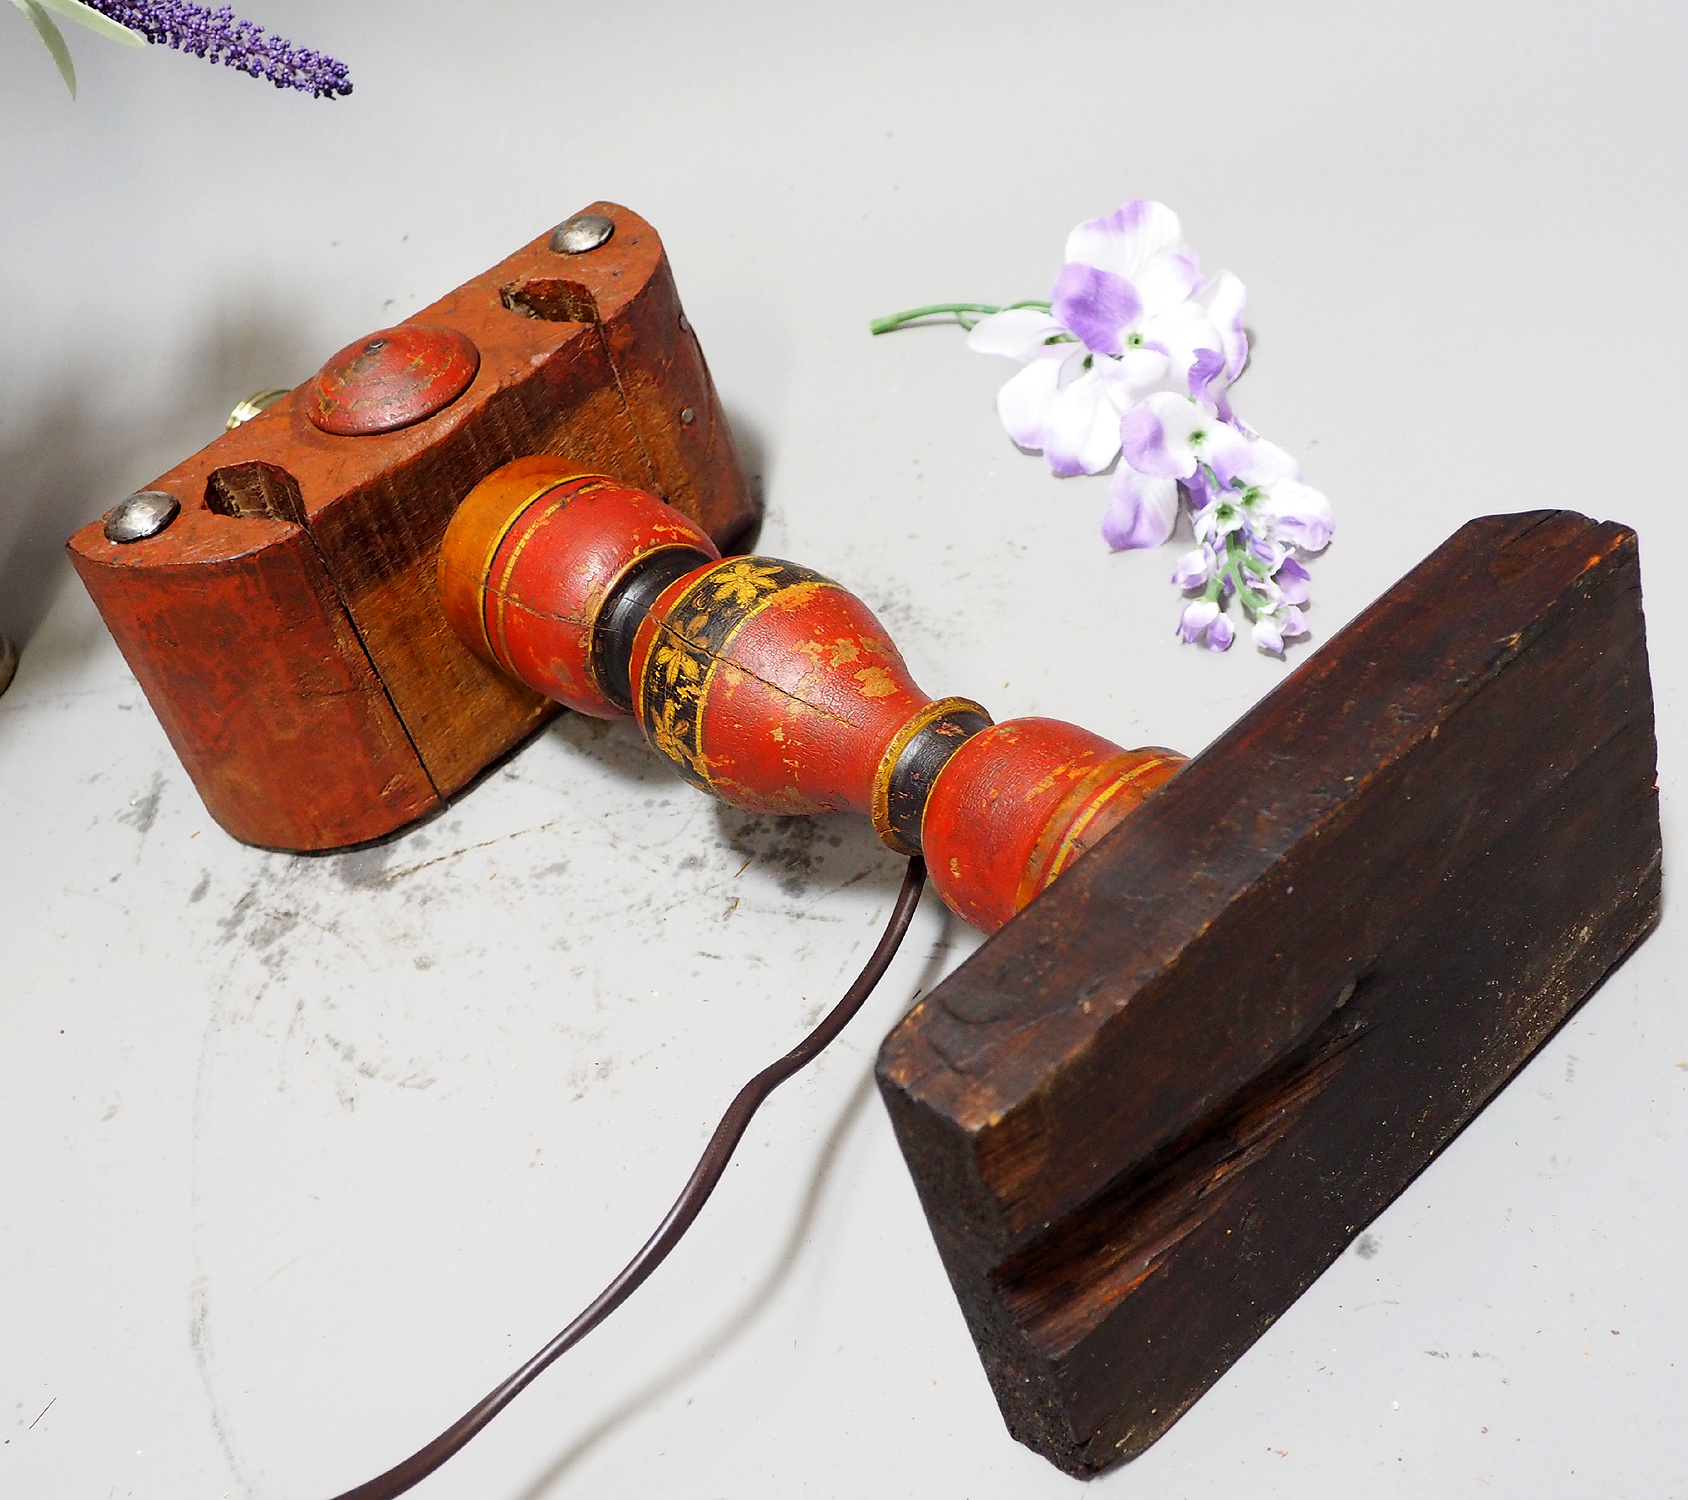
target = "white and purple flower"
x: 1130, y: 363
x: 1130, y: 314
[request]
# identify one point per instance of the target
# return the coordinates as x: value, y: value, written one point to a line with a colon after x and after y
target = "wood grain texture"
x: 260, y: 682
x: 603, y: 374
x: 1148, y: 1113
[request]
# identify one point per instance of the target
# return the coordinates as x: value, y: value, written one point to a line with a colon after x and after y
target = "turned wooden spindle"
x: 771, y: 686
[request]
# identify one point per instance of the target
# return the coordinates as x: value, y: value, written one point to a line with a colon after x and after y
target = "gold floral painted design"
x: 671, y: 734
x: 745, y: 582
x: 679, y: 667
x: 675, y: 679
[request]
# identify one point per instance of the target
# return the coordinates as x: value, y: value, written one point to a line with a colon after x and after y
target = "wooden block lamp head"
x: 283, y: 610
x: 770, y: 686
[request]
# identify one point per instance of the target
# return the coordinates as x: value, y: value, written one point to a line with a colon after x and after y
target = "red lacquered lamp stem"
x: 771, y: 686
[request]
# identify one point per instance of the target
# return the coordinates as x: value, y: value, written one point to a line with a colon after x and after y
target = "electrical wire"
x: 686, y: 1208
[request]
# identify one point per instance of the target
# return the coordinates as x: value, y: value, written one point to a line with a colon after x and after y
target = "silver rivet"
x: 581, y: 233
x: 685, y: 322
x: 688, y: 415
x: 252, y: 405
x: 140, y: 516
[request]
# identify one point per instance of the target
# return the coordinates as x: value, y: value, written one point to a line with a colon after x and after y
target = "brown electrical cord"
x: 686, y: 1208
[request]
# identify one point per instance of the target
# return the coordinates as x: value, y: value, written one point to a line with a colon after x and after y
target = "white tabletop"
x: 301, y: 1155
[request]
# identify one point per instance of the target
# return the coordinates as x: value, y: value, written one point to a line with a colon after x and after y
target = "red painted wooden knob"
x: 771, y: 686
x: 392, y: 378
x: 1019, y: 802
x: 531, y: 558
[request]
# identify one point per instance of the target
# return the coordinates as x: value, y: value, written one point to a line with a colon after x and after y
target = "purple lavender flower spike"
x: 217, y: 36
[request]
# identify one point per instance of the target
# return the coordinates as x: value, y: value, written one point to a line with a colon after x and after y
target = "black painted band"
x: 625, y: 609
x: 917, y: 768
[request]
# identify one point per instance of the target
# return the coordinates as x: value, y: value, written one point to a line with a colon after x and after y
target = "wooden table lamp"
x: 1231, y: 1007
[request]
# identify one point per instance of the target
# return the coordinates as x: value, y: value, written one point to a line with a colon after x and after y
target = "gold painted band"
x: 480, y: 528
x: 577, y: 485
x: 1060, y: 842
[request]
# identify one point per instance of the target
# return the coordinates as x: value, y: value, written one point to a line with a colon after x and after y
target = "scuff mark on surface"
x: 440, y: 859
x: 199, y: 1338
x: 142, y: 812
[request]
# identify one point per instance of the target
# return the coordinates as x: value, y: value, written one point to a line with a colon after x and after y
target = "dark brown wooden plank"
x: 1446, y: 821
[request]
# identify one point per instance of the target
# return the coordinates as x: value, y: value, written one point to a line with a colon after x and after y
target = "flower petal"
x: 1193, y: 570
x: 1182, y: 330
x: 1255, y: 462
x: 1204, y: 369
x: 1081, y: 425
x: 1300, y: 514
x: 1197, y: 616
x: 1167, y: 279
x: 1024, y: 402
x: 1015, y: 333
x: 1141, y: 513
x: 1097, y: 305
x: 1267, y: 635
x: 1166, y: 434
x: 1145, y: 369
x: 1126, y: 239
x: 1225, y: 299
x: 1292, y: 580
x: 1220, y: 635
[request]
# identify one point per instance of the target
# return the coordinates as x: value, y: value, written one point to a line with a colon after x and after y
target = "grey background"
x: 302, y: 1155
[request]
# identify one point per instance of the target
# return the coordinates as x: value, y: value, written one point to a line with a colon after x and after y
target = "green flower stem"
x: 957, y: 310
x: 1237, y: 559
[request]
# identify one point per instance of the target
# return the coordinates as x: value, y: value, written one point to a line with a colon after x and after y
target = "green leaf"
x: 52, y: 39
x: 86, y: 15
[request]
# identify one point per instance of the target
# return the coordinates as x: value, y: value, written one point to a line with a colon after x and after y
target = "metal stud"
x: 142, y: 515
x: 581, y: 233
x: 687, y: 415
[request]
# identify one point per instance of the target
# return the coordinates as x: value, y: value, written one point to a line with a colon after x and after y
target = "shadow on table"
x: 55, y: 472
x: 734, y: 1326
x: 89, y: 437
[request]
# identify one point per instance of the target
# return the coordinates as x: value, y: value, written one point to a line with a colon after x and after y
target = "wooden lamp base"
x: 1150, y: 1111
